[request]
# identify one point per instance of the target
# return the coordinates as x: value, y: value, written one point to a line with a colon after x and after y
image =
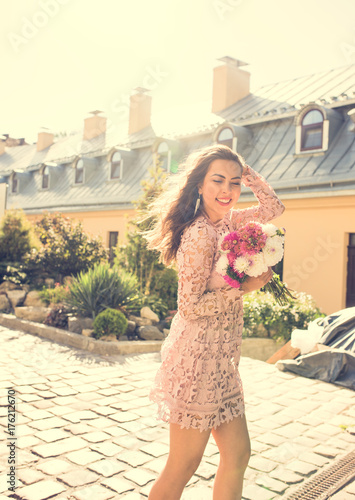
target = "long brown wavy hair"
x: 174, y: 209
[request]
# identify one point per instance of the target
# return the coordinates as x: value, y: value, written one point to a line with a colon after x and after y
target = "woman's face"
x: 220, y: 188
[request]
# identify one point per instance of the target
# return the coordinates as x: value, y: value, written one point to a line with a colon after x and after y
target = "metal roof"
x: 269, y: 147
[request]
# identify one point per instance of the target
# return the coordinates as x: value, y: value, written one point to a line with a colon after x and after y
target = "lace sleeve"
x: 269, y: 207
x: 195, y: 259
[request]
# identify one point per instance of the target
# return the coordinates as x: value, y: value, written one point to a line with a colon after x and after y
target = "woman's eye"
x: 218, y: 182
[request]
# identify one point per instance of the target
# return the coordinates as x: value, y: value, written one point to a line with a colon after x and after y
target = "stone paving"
x: 86, y: 430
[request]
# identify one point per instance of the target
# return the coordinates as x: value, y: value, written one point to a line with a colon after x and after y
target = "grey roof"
x: 268, y: 146
x: 330, y: 88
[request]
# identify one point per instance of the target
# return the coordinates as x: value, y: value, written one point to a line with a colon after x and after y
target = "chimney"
x: 2, y: 144
x: 94, y: 125
x: 45, y: 139
x: 139, y: 110
x: 230, y: 83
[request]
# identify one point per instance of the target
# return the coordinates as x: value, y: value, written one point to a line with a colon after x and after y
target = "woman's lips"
x: 223, y: 203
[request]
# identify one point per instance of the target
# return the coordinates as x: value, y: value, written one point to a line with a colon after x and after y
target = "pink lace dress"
x: 198, y: 383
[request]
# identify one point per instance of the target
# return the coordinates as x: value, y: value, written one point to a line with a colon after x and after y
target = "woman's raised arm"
x: 269, y: 207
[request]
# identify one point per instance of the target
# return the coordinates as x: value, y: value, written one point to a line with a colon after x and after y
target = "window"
x: 226, y: 137
x: 79, y: 172
x: 45, y: 177
x: 14, y: 183
x: 312, y: 130
x: 164, y: 156
x: 112, y: 244
x: 116, y: 166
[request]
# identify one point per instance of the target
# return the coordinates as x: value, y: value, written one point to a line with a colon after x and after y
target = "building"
x: 299, y: 134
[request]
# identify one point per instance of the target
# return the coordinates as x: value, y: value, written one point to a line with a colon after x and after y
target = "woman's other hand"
x: 251, y: 284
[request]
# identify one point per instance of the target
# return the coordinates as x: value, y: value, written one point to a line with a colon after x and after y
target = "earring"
x: 197, y: 206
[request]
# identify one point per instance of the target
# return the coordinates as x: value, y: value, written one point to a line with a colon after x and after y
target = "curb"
x: 80, y: 341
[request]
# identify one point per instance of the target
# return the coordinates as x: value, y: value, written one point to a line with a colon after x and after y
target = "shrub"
x: 165, y: 285
x: 100, y: 288
x: 66, y: 249
x: 57, y: 317
x: 110, y: 322
x: 262, y: 314
x: 56, y: 295
x: 17, y: 241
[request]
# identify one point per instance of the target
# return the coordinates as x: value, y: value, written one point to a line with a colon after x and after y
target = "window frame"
x: 112, y: 163
x: 43, y: 176
x: 77, y: 161
x: 168, y: 156
x: 13, y: 177
x: 311, y: 126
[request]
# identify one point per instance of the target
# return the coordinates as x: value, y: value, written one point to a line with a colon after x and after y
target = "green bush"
x: 165, y: 285
x: 56, y: 295
x: 110, y: 322
x: 17, y: 241
x: 264, y: 317
x: 100, y: 288
x: 66, y: 249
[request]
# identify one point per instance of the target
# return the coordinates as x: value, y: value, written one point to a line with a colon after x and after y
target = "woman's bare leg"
x: 186, y: 450
x: 233, y: 443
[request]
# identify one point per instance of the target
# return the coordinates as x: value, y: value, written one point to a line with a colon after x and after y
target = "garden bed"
x: 80, y: 341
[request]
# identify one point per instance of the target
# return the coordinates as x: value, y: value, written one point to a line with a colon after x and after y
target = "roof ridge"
x: 309, y: 75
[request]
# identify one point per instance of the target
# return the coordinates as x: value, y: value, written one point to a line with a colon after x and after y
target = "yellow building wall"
x: 317, y: 235
x: 101, y: 223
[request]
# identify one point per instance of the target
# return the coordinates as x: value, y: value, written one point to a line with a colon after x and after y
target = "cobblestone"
x: 87, y: 430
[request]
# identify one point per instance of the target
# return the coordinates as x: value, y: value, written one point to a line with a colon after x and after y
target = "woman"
x: 197, y: 387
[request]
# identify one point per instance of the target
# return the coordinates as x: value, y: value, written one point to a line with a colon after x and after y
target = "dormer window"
x: 116, y: 166
x: 164, y: 155
x: 226, y: 137
x: 312, y: 130
x: 45, y: 177
x: 14, y: 183
x: 79, y: 171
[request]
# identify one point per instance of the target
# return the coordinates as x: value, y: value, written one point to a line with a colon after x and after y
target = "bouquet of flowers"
x: 249, y: 252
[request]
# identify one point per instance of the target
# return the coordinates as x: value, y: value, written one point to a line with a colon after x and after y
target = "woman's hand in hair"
x: 251, y: 284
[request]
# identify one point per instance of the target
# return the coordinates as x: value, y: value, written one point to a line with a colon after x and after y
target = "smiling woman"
x: 198, y: 388
x: 221, y: 188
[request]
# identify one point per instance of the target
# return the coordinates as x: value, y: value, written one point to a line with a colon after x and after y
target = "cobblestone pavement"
x: 86, y: 429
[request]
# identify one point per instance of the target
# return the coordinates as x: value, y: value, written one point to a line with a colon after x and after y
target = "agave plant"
x: 100, y: 288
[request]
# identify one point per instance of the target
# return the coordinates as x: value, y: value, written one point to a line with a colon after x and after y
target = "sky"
x: 61, y: 59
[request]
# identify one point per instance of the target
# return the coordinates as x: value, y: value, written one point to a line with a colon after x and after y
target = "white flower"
x: 241, y: 264
x: 257, y: 265
x: 269, y: 229
x: 222, y: 264
x: 273, y: 250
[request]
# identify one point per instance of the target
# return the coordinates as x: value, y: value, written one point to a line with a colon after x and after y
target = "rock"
x: 166, y: 332
x: 8, y: 285
x: 16, y: 297
x: 87, y: 332
x: 74, y: 324
x: 140, y: 321
x: 5, y: 306
x: 123, y: 337
x: 33, y: 299
x: 147, y: 313
x: 49, y: 282
x: 109, y: 338
x: 131, y: 328
x: 86, y: 323
x: 37, y: 314
x: 150, y: 333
